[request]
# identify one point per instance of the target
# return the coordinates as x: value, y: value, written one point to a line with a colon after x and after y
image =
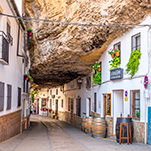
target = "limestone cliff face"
x: 60, y: 53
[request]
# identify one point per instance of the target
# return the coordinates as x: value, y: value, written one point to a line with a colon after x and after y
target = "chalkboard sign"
x: 108, y: 104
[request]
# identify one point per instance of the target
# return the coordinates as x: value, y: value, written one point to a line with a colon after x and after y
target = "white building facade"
x: 14, y: 58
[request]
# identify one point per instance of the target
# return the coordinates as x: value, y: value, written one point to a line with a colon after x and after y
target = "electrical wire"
x: 75, y: 24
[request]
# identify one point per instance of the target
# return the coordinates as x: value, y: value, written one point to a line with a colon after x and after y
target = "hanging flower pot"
x: 99, y: 69
x: 112, y: 55
x: 117, y: 54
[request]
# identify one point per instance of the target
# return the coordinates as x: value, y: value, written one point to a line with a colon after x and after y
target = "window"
x: 88, y: 82
x: 136, y: 104
x: 9, y: 96
x: 19, y: 97
x: 62, y: 103
x: 10, y: 39
x: 56, y: 91
x: 136, y: 42
x: 118, y: 46
x: 50, y: 92
x: 1, y: 96
x: 69, y: 104
x: 51, y: 103
x: 43, y: 103
x: 95, y: 102
x: 78, y: 106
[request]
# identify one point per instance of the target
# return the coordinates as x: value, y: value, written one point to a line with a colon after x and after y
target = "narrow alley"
x: 52, y: 135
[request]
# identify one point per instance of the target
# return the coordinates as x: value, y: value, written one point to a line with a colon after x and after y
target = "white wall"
x: 12, y: 73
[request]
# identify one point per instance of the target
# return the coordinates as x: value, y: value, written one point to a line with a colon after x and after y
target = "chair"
x: 128, y: 131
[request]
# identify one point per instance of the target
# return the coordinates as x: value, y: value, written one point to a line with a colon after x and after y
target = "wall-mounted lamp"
x: 79, y: 82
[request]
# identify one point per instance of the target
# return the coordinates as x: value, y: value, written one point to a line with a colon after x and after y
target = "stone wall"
x: 109, y: 124
x: 10, y: 125
x: 66, y: 116
x: 139, y: 131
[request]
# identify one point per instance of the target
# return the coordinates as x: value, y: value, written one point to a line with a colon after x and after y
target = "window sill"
x: 1, y: 110
x: 8, y: 109
x: 3, y: 62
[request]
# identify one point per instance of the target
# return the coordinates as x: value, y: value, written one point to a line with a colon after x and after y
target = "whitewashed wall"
x: 11, y: 74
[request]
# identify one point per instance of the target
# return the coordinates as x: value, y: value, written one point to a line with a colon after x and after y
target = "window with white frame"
x: 136, y: 42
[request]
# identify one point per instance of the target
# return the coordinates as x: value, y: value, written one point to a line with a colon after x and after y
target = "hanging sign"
x: 146, y: 82
x: 116, y: 74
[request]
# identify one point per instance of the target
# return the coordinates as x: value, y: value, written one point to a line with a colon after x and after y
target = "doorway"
x: 71, y: 109
x: 104, y: 98
x: 89, y: 102
x: 56, y: 107
x: 118, y: 107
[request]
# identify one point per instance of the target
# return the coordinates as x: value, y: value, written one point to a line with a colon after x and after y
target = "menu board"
x: 108, y: 104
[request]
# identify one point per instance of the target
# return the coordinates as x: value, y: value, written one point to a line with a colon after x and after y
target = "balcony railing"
x: 4, y: 48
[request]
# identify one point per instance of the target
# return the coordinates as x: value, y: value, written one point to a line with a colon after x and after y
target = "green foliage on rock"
x: 133, y: 64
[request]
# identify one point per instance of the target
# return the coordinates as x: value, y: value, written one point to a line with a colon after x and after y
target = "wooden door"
x: 56, y: 107
x: 104, y: 105
x: 89, y: 106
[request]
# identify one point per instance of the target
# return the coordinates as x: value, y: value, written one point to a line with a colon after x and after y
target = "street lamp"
x: 79, y: 82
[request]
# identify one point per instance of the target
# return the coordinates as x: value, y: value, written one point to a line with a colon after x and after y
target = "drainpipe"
x: 148, y: 47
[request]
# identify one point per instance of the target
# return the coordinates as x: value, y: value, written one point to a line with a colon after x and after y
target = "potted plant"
x: 138, y: 115
x: 28, y: 78
x: 115, y: 63
x: 111, y: 52
x: 30, y: 32
x: 117, y: 52
x: 133, y: 64
x: 97, y: 78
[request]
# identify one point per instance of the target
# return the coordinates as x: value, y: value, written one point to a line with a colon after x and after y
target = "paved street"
x: 48, y: 134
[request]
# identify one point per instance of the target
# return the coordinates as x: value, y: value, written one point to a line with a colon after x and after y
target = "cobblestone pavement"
x: 48, y: 134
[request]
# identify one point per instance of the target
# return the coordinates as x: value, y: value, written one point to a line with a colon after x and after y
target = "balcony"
x: 4, y: 48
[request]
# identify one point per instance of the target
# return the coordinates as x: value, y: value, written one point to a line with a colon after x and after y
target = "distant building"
x: 14, y: 63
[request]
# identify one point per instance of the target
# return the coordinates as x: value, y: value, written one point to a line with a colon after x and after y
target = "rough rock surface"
x: 59, y: 52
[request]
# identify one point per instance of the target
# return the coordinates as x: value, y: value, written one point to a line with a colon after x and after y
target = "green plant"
x: 32, y: 95
x: 28, y: 77
x: 97, y: 77
x: 96, y: 66
x: 115, y: 63
x: 116, y: 50
x: 30, y: 32
x: 133, y: 64
x: 111, y: 51
x: 138, y: 115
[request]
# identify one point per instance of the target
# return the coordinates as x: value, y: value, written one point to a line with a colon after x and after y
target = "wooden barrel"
x: 88, y: 124
x: 123, y: 120
x: 98, y: 128
x: 83, y: 124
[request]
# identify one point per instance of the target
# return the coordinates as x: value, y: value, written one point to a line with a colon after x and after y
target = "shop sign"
x: 116, y: 74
